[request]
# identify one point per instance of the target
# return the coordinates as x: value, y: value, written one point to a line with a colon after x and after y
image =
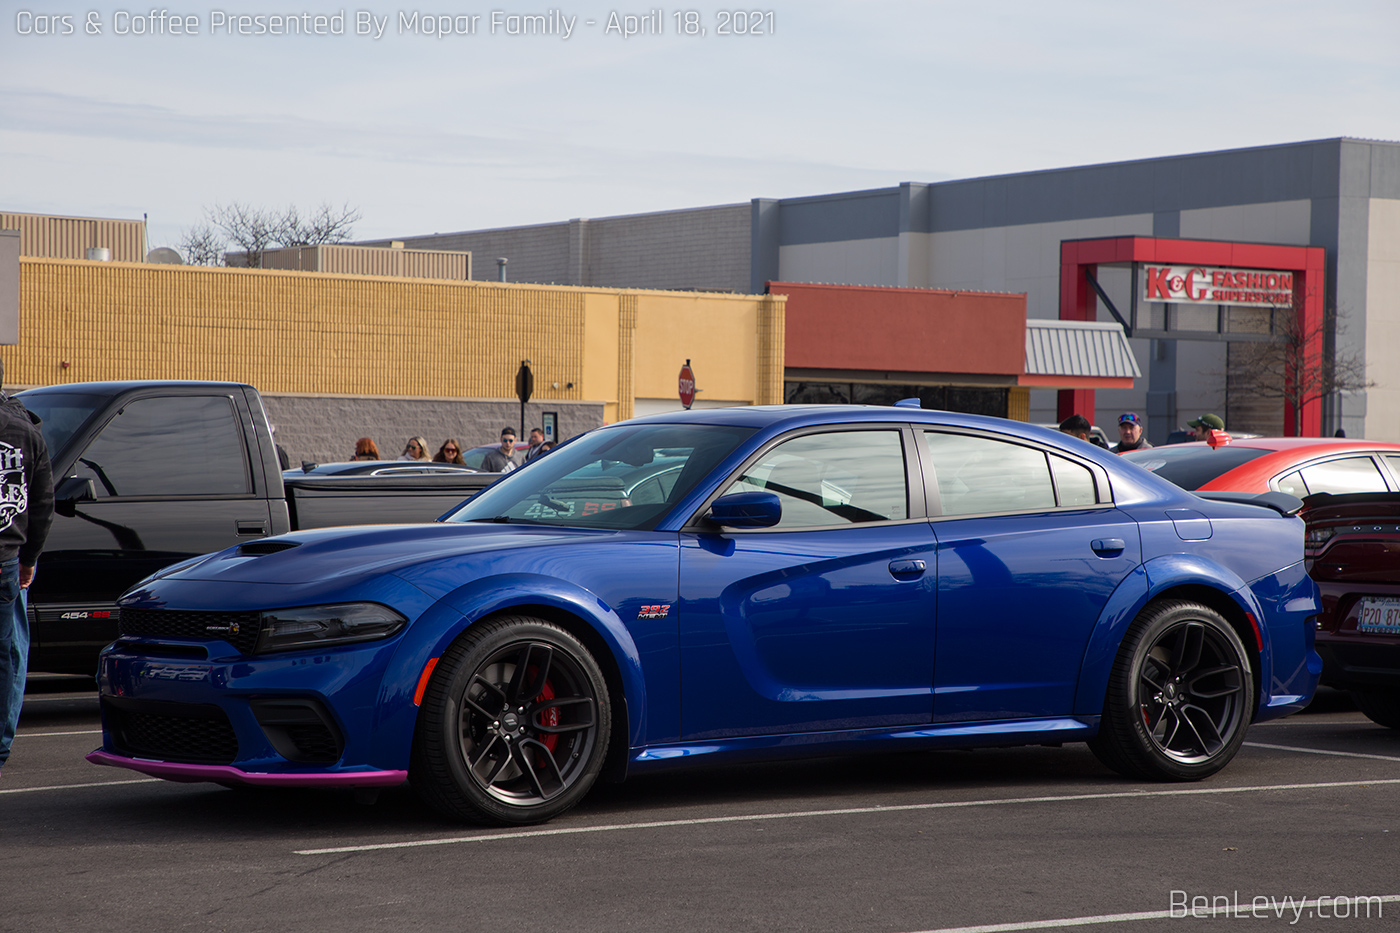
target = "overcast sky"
x: 429, y: 134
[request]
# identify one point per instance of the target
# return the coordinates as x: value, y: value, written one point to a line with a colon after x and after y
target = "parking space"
x: 999, y: 839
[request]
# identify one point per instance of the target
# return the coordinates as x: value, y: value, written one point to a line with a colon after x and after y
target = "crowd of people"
x: 1130, y: 436
x: 503, y: 458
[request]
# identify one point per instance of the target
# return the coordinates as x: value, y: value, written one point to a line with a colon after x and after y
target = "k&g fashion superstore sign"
x: 1204, y: 285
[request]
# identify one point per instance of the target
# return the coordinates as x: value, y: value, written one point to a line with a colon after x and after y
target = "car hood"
x: 331, y: 554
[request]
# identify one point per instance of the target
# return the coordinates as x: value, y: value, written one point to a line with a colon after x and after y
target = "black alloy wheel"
x: 514, y: 725
x: 1179, y: 698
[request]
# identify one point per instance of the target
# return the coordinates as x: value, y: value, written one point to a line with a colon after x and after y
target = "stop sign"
x: 687, y: 385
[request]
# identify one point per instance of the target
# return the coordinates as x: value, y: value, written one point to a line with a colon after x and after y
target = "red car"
x: 1353, y: 553
x: 1299, y: 466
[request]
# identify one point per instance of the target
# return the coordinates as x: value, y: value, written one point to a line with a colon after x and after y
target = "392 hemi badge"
x: 654, y: 612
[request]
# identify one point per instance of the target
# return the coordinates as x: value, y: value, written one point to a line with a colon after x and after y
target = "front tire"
x: 514, y: 725
x: 1178, y: 702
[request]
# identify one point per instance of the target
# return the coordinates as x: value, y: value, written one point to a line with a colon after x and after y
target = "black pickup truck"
x: 150, y: 473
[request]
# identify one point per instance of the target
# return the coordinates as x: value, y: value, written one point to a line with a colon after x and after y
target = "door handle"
x: 1107, y: 546
x: 907, y: 568
x: 252, y: 528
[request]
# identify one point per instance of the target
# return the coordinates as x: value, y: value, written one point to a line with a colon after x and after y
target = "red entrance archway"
x: 1079, y: 259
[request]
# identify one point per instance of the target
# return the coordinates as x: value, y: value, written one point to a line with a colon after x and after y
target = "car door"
x: 171, y: 477
x: 1029, y: 549
x: 826, y: 620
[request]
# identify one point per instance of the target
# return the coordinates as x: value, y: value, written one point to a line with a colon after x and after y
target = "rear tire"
x: 1380, y: 704
x: 1178, y: 702
x: 514, y: 725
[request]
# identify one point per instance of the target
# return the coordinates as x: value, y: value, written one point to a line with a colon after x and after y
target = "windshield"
x: 63, y: 415
x: 627, y: 477
x: 1192, y: 467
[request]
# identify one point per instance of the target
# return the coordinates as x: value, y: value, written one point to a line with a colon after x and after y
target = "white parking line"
x: 35, y: 790
x: 1243, y: 911
x: 845, y: 811
x: 46, y: 735
x: 1321, y: 751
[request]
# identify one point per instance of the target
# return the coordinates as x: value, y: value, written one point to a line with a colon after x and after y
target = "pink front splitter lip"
x: 224, y: 774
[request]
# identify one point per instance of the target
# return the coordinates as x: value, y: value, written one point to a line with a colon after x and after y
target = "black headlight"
x: 317, y: 626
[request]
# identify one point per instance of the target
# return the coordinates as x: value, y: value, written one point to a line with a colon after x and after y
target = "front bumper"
x: 295, y: 719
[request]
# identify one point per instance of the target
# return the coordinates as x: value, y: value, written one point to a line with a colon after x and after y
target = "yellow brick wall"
x: 299, y: 332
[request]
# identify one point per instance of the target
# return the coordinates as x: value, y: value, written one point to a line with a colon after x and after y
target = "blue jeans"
x: 14, y: 652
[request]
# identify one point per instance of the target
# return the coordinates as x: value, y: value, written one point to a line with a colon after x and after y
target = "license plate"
x: 1378, y: 616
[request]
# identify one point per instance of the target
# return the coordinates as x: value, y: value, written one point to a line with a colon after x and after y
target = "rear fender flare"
x: 1148, y: 582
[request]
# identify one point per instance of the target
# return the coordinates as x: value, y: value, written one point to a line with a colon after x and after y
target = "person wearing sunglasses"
x: 416, y: 449
x: 449, y: 452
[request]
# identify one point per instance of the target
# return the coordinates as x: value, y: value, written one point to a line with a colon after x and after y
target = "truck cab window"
x: 175, y: 446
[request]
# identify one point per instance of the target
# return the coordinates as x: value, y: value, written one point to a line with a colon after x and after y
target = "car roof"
x: 117, y: 387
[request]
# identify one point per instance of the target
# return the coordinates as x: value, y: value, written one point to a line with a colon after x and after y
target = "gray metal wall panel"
x: 854, y: 215
x: 1290, y: 172
x: 763, y: 243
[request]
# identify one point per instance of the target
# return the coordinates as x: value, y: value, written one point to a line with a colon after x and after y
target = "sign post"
x: 524, y: 388
x: 687, y: 386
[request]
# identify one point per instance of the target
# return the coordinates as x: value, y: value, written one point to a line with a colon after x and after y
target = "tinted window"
x: 1074, y: 483
x: 176, y: 446
x: 1192, y: 467
x: 63, y: 415
x: 1349, y: 474
x: 980, y: 474
x: 830, y: 479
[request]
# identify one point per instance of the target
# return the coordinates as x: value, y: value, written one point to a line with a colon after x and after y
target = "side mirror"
x: 747, y: 510
x: 70, y: 491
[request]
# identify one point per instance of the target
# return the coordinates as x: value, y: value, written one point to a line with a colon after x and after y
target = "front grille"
x: 240, y: 629
x: 197, y: 734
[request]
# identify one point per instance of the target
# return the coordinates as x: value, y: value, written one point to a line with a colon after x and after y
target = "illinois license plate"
x: 1378, y: 616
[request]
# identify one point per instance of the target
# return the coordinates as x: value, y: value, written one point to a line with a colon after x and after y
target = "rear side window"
x: 176, y: 446
x: 1348, y: 474
x: 979, y: 474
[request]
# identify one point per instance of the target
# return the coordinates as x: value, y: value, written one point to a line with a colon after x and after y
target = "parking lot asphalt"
x: 997, y: 839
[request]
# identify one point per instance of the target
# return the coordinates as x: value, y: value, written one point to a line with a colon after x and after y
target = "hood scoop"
x: 259, y: 548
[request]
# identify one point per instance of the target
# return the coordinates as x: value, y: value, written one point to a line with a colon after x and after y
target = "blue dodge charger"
x: 702, y: 586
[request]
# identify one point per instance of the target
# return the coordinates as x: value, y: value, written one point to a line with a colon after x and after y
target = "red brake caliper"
x: 549, y: 717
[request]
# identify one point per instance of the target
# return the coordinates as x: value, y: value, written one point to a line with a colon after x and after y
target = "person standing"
x: 416, y: 450
x: 26, y: 511
x: 502, y: 459
x: 536, y: 444
x: 1130, y: 434
x: 1205, y: 424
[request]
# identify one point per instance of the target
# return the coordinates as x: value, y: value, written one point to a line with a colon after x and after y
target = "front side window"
x: 177, y: 446
x: 837, y: 478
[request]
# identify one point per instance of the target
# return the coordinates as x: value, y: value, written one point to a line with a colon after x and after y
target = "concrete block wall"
x: 324, y: 428
x: 538, y: 254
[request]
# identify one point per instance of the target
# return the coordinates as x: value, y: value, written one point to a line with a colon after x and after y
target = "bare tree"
x: 251, y: 231
x: 1296, y: 367
x: 325, y: 225
x: 202, y: 245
